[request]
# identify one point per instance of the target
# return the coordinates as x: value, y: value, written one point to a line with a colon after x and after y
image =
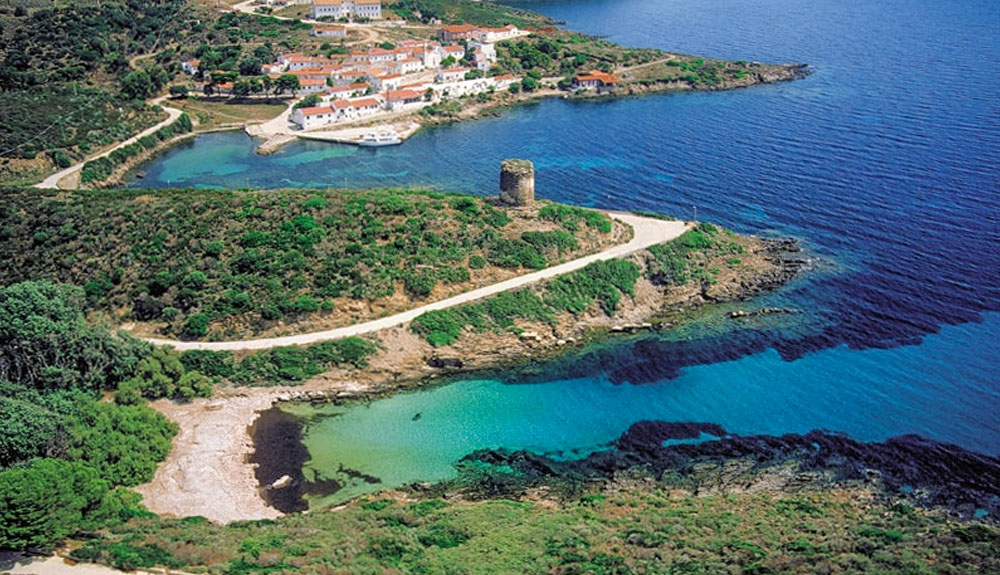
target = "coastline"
x: 411, y: 123
x: 219, y: 429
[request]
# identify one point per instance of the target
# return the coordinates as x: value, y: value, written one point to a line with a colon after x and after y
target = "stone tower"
x: 517, y: 183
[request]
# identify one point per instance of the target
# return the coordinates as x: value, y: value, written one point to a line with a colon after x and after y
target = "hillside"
x: 218, y: 264
x: 631, y: 529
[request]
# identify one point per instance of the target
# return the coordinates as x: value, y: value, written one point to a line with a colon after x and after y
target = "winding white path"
x: 52, y: 182
x: 648, y: 232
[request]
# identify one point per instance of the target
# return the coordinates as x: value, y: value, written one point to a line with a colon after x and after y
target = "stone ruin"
x: 517, y: 183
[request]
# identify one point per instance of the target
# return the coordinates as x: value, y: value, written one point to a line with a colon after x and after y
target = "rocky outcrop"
x: 921, y: 471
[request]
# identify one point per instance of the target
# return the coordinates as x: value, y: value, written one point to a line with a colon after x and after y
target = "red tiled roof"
x: 402, y: 95
x: 365, y: 102
x: 599, y: 76
x: 315, y: 110
x: 459, y: 28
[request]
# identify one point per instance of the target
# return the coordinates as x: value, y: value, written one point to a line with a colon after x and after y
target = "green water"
x: 937, y: 389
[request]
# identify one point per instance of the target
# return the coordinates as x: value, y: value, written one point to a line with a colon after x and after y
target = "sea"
x: 884, y: 163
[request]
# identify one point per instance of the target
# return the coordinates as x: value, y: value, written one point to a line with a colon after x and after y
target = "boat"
x: 379, y: 139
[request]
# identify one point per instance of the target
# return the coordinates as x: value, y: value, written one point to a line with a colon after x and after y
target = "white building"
x: 345, y: 92
x: 503, y: 82
x: 311, y: 86
x: 312, y: 117
x: 491, y: 35
x: 190, y: 67
x: 452, y: 74
x: 330, y: 31
x: 457, y: 89
x: 353, y: 9
x: 403, y: 99
x: 456, y: 52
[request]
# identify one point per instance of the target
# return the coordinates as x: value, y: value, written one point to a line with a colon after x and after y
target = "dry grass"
x: 213, y: 113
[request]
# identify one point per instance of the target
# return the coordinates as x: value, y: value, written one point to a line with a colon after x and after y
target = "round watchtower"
x: 517, y: 183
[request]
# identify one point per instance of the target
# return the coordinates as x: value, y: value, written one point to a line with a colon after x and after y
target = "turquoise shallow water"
x: 885, y: 163
x: 937, y: 390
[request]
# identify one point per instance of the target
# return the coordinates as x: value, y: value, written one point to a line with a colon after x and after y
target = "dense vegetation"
x: 644, y: 530
x: 102, y: 168
x: 464, y: 12
x: 601, y: 282
x: 211, y: 262
x: 684, y: 259
x: 72, y: 41
x: 63, y: 451
x: 67, y: 122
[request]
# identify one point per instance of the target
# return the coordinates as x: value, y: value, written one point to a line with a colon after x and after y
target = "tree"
x: 514, y: 87
x: 286, y: 83
x: 137, y: 85
x: 196, y: 325
x: 529, y: 84
x: 473, y: 74
x: 47, y: 501
x: 60, y: 158
x: 448, y: 62
x: 45, y: 341
x: 178, y: 91
x: 123, y: 443
x: 387, y: 46
x: 241, y: 88
x: 251, y: 66
x: 308, y: 101
x: 26, y: 430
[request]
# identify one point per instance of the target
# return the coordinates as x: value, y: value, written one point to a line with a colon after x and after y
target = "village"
x: 379, y: 80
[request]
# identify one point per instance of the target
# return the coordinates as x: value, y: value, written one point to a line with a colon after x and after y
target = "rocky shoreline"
x: 908, y: 469
x: 406, y: 361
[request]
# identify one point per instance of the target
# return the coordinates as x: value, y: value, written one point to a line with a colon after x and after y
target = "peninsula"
x: 357, y: 73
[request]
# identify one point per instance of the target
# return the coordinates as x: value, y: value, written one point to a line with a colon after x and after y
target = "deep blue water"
x: 884, y: 162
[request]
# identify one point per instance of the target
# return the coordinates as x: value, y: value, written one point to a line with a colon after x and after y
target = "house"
x: 353, y: 9
x: 452, y: 74
x: 595, y: 80
x: 345, y: 92
x: 273, y: 68
x: 410, y: 65
x: 491, y: 35
x: 457, y: 32
x: 373, y: 56
x: 387, y: 82
x: 330, y: 31
x: 503, y: 82
x: 300, y: 62
x: 430, y: 55
x: 456, y: 52
x: 190, y: 67
x: 286, y: 59
x: 403, y: 99
x: 365, y: 106
x: 457, y: 89
x: 310, y: 117
x: 481, y: 60
x: 310, y: 74
x: 311, y: 86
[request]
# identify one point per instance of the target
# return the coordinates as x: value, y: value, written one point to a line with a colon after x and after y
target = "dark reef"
x: 924, y: 472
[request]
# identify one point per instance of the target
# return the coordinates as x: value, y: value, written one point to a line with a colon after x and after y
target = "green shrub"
x: 46, y: 501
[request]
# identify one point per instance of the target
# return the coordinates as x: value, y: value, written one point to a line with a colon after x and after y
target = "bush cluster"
x: 680, y: 261
x: 602, y: 282
x: 101, y: 168
x: 205, y: 264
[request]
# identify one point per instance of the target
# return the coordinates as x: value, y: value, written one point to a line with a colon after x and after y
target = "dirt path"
x: 52, y: 182
x: 648, y: 232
